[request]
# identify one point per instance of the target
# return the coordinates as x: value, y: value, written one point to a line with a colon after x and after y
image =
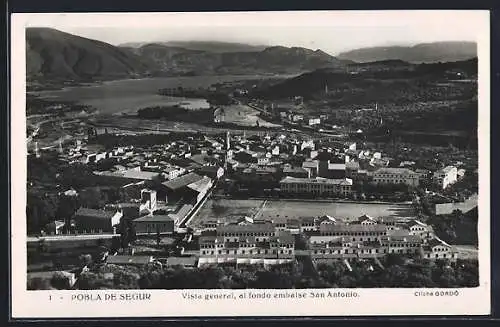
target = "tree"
x: 85, y: 260
x: 92, y: 197
x: 40, y: 210
x: 66, y: 209
x: 60, y: 281
x: 39, y: 283
x: 151, y: 279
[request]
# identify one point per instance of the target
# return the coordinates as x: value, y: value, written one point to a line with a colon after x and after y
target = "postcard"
x: 301, y: 163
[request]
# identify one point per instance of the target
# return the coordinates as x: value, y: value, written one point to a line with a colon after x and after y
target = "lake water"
x: 114, y: 97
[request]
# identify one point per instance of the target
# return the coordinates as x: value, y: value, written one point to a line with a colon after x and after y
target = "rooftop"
x: 128, y: 259
x: 181, y: 261
x: 182, y: 181
x: 201, y: 159
x: 394, y: 171
x: 336, y: 166
x: 264, y: 227
x: 352, y: 228
x: 401, y: 237
x: 201, y: 185
x: 317, y: 180
x: 447, y: 169
x: 153, y: 218
x: 131, y: 173
x: 437, y: 241
x: 284, y: 237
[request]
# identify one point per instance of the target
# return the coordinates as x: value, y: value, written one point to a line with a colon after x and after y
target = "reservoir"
x: 129, y: 95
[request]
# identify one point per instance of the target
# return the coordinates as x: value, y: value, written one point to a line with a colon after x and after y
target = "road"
x: 466, y: 251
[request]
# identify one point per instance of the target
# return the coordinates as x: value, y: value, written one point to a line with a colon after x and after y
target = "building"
x: 439, y: 249
x: 296, y: 117
x: 446, y: 176
x: 307, y: 144
x: 416, y: 227
x: 341, y: 248
x: 396, y: 176
x: 314, y: 121
x: 352, y: 169
x: 307, y: 224
x: 402, y: 242
x: 334, y: 170
x: 130, y: 210
x: 317, y: 186
x: 173, y: 172
x: 128, y: 176
x: 97, y: 221
x: 177, y: 188
x: 129, y: 260
x: 366, y: 220
x: 354, y: 232
x: 331, y: 166
x: 185, y: 262
x: 214, y: 172
x: 327, y: 219
x: 200, y: 188
x: 297, y: 172
x: 251, y: 242
x: 311, y: 166
x: 55, y: 227
x: 148, y: 200
x: 262, y: 231
x: 154, y: 225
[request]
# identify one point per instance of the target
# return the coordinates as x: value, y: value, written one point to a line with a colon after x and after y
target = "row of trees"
x: 365, y: 274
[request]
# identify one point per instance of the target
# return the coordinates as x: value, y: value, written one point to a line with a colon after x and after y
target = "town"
x: 226, y: 165
x: 258, y: 198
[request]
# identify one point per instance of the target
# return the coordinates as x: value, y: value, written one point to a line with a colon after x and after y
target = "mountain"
x: 384, y: 81
x: 57, y: 55
x: 270, y: 60
x: 209, y: 46
x: 420, y: 53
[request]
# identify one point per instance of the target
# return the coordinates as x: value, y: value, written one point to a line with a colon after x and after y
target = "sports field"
x: 230, y: 210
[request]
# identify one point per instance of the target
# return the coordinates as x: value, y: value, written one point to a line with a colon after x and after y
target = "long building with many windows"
x: 395, y: 176
x: 317, y: 186
x: 231, y: 243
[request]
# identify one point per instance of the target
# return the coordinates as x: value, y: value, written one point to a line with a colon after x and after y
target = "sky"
x: 330, y: 31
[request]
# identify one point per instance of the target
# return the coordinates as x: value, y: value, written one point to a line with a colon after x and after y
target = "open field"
x: 244, y: 115
x: 229, y: 210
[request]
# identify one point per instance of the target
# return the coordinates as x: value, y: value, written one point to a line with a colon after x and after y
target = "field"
x: 244, y: 116
x: 129, y: 95
x: 229, y: 210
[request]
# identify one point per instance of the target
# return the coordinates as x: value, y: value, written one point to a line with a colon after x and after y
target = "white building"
x: 446, y: 176
x: 314, y: 121
x: 395, y: 176
x: 317, y: 186
x: 172, y: 172
x: 307, y: 144
x: 438, y: 249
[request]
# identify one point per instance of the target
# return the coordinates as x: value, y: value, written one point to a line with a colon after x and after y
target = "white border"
x: 36, y: 304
